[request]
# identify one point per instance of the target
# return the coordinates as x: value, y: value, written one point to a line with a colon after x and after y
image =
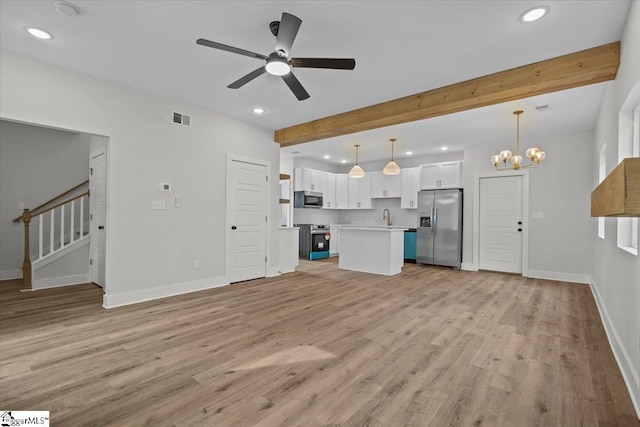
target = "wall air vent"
x: 541, y: 108
x: 181, y: 119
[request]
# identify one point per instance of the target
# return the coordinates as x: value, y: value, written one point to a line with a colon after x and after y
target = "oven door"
x: 320, y: 241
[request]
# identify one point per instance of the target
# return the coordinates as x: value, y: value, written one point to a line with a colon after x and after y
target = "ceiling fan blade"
x: 246, y: 79
x: 295, y: 86
x: 332, y: 63
x: 215, y: 45
x: 289, y: 26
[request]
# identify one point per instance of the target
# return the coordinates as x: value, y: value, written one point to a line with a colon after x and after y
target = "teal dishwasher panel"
x: 410, y: 245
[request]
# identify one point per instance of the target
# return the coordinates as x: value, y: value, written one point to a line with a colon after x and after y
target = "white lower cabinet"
x: 334, y: 243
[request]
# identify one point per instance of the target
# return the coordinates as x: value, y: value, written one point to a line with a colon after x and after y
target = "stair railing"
x: 56, y: 228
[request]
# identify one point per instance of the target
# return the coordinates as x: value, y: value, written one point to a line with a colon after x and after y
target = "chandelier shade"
x: 534, y: 154
x: 356, y: 171
x: 392, y: 167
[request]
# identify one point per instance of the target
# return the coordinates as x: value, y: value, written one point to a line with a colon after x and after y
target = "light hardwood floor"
x: 322, y: 346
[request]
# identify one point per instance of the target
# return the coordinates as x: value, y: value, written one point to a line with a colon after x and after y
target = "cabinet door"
x: 410, y: 188
x: 378, y: 188
x: 393, y: 185
x: 334, y: 243
x: 342, y: 191
x: 365, y: 192
x: 449, y: 175
x: 329, y: 192
x: 315, y: 180
x: 298, y: 179
x: 429, y: 176
x: 354, y: 192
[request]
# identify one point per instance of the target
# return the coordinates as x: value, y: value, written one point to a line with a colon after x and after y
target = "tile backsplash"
x: 401, y: 217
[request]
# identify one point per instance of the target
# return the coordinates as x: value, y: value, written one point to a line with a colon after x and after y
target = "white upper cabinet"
x: 360, y: 192
x: 385, y: 186
x: 307, y: 179
x: 410, y: 188
x: 342, y: 191
x: 441, y: 175
x: 329, y: 191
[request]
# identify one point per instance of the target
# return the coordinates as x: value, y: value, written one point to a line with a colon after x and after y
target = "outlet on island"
x: 196, y: 263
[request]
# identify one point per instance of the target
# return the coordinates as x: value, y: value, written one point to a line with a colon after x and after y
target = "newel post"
x: 26, y: 265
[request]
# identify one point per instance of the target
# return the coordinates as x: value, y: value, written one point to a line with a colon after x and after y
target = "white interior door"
x: 246, y: 220
x: 500, y: 228
x: 97, y: 210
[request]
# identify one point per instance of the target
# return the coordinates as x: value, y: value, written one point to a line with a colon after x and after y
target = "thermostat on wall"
x: 165, y: 186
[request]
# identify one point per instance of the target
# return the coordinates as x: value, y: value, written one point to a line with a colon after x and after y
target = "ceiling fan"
x: 279, y: 62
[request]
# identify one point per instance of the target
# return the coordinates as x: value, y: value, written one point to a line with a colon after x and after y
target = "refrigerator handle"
x: 434, y: 220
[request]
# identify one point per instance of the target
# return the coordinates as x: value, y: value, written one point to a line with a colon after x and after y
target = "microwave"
x: 307, y: 199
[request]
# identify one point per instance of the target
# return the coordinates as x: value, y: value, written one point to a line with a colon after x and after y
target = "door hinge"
x: 265, y: 219
x: 267, y: 178
x: 265, y: 259
x: 90, y: 171
x: 91, y: 261
x: 90, y: 217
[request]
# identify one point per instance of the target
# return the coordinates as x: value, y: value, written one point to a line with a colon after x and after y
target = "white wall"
x: 559, y: 243
x: 149, y: 253
x: 36, y: 164
x: 615, y: 272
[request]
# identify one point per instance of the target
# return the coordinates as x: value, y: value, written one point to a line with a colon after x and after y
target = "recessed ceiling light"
x: 258, y: 110
x: 444, y: 148
x: 326, y: 156
x: 534, y: 14
x: 343, y: 161
x: 38, y: 33
x: 408, y: 153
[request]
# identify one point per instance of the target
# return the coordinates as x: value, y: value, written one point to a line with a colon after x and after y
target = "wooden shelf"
x: 284, y: 176
x: 619, y: 194
x: 284, y: 201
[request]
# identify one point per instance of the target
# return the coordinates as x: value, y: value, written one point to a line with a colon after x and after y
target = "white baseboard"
x: 126, y: 298
x: 56, y: 282
x: 10, y: 274
x: 631, y: 378
x: 559, y: 276
x: 468, y: 266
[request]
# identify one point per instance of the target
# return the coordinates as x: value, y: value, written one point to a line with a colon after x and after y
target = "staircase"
x: 56, y: 248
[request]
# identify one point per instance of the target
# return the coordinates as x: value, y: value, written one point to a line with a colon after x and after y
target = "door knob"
x: 519, y: 222
x: 519, y: 229
x: 101, y: 227
x: 233, y: 227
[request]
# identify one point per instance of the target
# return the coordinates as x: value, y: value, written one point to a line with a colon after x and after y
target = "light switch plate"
x: 158, y: 205
x: 178, y: 201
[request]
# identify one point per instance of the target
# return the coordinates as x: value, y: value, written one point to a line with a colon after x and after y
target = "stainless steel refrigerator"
x: 439, y: 231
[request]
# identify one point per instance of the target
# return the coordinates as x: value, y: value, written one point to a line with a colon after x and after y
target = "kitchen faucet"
x: 386, y: 216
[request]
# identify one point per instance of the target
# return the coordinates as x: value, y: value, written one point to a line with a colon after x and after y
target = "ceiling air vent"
x: 181, y: 119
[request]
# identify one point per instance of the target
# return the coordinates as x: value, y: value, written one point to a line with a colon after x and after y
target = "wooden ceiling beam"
x: 576, y: 69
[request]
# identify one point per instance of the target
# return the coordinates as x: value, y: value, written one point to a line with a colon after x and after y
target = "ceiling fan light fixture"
x: 277, y: 66
x: 356, y: 171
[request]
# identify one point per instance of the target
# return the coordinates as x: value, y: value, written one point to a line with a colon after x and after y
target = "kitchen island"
x: 377, y: 250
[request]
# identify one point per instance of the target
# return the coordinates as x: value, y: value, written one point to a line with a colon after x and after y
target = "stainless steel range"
x: 314, y: 241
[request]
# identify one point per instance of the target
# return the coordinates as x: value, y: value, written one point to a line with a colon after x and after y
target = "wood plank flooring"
x: 318, y: 347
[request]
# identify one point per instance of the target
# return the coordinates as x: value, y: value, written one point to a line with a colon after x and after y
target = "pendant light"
x: 392, y: 167
x: 356, y: 171
x: 534, y: 154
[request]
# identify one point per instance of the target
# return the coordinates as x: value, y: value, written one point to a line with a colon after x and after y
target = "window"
x: 602, y: 174
x: 629, y: 146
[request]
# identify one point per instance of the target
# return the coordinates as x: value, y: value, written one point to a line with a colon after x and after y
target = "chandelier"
x: 534, y: 154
